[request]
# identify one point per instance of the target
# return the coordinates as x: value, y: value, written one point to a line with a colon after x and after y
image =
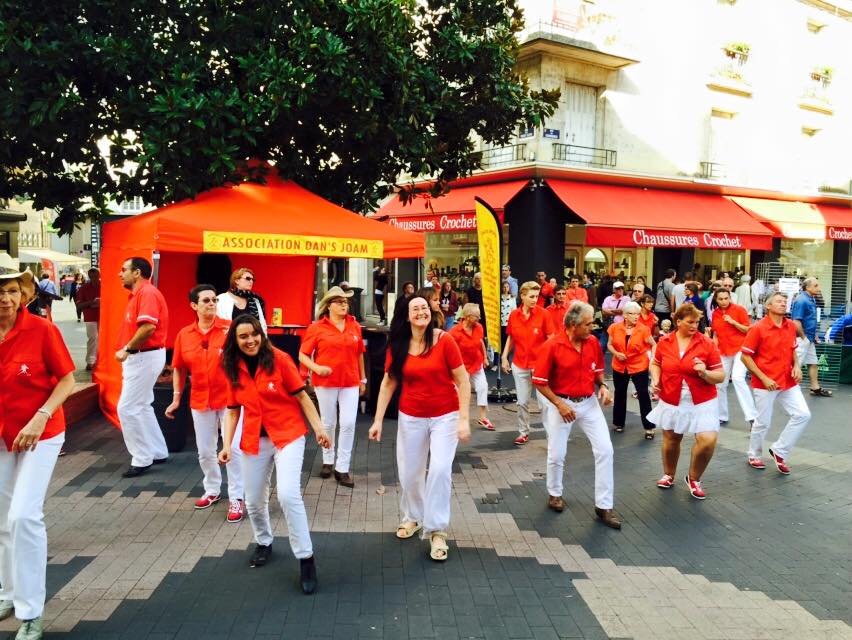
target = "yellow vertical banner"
x: 489, y: 235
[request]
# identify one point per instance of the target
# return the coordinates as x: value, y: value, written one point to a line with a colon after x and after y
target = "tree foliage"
x: 343, y: 96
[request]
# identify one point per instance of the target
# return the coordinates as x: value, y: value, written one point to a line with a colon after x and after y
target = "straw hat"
x: 9, y: 269
x: 331, y: 294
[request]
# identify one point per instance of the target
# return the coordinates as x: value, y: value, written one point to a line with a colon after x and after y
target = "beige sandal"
x: 439, y: 549
x: 407, y: 530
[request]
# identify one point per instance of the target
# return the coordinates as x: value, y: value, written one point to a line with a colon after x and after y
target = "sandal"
x: 439, y: 548
x: 619, y: 429
x: 649, y: 434
x: 823, y: 393
x: 407, y: 530
x: 485, y: 423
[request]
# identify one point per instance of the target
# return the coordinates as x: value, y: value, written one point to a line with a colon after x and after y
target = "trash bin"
x: 355, y: 303
x: 174, y: 431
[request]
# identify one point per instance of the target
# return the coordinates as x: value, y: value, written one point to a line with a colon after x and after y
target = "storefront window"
x: 711, y: 263
x: 455, y: 256
x: 595, y: 262
x: 804, y: 258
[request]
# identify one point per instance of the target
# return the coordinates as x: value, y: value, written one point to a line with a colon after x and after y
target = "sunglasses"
x: 249, y: 278
x: 207, y: 300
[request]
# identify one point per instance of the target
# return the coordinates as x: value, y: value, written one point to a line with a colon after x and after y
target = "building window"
x: 581, y: 115
x: 5, y: 241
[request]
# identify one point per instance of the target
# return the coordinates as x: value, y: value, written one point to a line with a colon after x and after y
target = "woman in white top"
x: 508, y: 303
x: 240, y: 298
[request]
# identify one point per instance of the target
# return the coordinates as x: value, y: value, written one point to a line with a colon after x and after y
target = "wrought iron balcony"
x: 592, y: 156
x: 713, y: 171
x: 502, y: 155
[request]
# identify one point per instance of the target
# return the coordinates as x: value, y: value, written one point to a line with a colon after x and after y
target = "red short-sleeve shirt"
x: 267, y: 401
x: 201, y: 355
x: 340, y: 350
x: 730, y: 338
x: 649, y: 321
x: 428, y: 388
x: 470, y: 346
x: 146, y: 305
x: 557, y: 313
x: 567, y: 371
x: 529, y: 334
x: 33, y: 357
x: 677, y: 370
x: 87, y: 293
x: 544, y: 294
x: 771, y: 347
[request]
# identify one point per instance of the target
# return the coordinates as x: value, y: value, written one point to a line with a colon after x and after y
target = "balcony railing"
x: 592, y: 156
x: 713, y: 171
x: 503, y: 155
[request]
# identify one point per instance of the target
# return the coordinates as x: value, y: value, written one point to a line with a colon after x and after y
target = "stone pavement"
x: 764, y: 555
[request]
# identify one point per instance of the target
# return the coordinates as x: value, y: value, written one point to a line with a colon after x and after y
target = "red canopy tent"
x: 278, y: 230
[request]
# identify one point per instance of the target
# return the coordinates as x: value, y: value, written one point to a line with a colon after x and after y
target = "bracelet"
x: 45, y: 412
x: 363, y: 380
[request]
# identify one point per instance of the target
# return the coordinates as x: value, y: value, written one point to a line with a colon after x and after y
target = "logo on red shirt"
x: 25, y: 371
x: 271, y: 387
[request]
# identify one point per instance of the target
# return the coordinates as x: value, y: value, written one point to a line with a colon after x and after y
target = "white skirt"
x: 686, y: 417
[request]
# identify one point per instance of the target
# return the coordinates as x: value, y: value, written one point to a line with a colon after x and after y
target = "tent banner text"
x: 291, y: 245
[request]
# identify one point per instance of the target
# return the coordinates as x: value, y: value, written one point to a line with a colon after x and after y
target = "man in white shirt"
x: 679, y: 291
x: 743, y: 295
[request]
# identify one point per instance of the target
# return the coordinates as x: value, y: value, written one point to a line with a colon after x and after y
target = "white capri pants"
x: 591, y: 420
x: 344, y: 399
x: 793, y: 403
x: 207, y: 425
x: 523, y: 391
x: 480, y: 384
x: 425, y: 498
x: 257, y: 474
x: 139, y: 427
x: 24, y: 478
x: 735, y: 371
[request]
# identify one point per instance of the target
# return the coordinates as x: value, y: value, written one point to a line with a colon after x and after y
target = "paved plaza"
x: 764, y: 555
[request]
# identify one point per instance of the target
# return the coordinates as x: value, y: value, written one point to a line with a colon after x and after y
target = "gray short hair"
x: 575, y: 313
x: 809, y: 281
x: 772, y: 295
x: 632, y: 307
x: 471, y: 309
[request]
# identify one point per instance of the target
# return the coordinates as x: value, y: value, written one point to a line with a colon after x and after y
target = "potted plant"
x: 737, y: 51
x: 822, y: 74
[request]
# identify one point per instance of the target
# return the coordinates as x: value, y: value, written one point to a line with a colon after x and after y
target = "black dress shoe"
x: 325, y: 472
x: 607, y: 516
x: 161, y: 461
x: 261, y: 555
x: 344, y: 479
x: 308, y: 576
x: 135, y: 472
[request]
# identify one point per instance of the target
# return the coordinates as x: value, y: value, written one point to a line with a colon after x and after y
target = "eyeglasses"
x: 10, y: 292
x: 638, y: 291
x: 340, y: 301
x: 207, y: 300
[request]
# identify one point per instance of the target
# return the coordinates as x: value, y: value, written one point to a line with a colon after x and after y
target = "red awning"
x: 619, y: 216
x: 449, y: 213
x: 838, y: 221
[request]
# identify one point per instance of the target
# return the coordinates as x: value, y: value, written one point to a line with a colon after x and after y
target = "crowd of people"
x: 675, y: 347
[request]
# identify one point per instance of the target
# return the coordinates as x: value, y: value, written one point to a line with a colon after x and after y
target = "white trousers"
x: 24, y: 478
x: 338, y: 405
x: 139, y: 427
x: 91, y: 342
x: 735, y: 371
x: 523, y: 391
x: 257, y: 474
x: 425, y: 498
x: 207, y: 425
x: 590, y: 419
x: 480, y: 384
x: 793, y: 403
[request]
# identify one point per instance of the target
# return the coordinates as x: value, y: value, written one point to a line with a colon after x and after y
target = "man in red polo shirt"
x: 142, y: 354
x: 569, y: 367
x: 769, y: 352
x: 88, y: 301
x: 546, y: 291
x: 560, y: 305
x: 576, y: 292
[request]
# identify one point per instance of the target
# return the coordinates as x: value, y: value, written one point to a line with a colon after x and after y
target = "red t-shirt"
x: 771, y: 347
x: 545, y: 294
x: 267, y: 401
x: 649, y: 321
x: 33, y: 357
x: 340, y: 350
x: 557, y: 313
x: 428, y: 387
x: 567, y: 371
x: 470, y: 346
x: 146, y: 305
x: 87, y: 293
x: 576, y: 294
x: 201, y: 355
x: 529, y: 334
x: 676, y: 370
x: 730, y: 338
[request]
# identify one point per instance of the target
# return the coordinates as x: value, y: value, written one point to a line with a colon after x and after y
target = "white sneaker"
x: 7, y: 608
x: 31, y: 630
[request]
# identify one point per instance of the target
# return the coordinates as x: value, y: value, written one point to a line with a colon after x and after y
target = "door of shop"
x: 678, y: 259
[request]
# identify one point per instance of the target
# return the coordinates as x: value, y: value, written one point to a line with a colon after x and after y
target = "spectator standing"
x: 380, y: 288
x: 743, y: 293
x: 575, y: 292
x: 560, y: 305
x: 804, y: 315
x: 508, y: 303
x: 241, y: 298
x: 678, y: 296
x: 662, y: 303
x: 88, y: 303
x: 506, y: 276
x: 545, y: 292
x: 449, y: 303
x: 630, y: 344
x: 612, y: 309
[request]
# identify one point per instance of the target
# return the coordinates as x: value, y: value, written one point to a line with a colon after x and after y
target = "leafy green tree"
x: 343, y: 96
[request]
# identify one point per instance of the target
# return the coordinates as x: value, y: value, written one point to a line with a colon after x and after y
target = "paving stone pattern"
x: 765, y: 556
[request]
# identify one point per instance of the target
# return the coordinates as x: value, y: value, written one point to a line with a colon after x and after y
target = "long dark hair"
x: 231, y: 354
x: 400, y: 339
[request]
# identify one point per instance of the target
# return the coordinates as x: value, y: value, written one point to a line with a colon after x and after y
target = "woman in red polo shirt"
x: 266, y: 385
x: 730, y: 325
x: 630, y: 344
x: 36, y: 376
x: 685, y: 371
x: 433, y: 417
x: 529, y: 328
x: 647, y: 316
x: 470, y: 337
x: 333, y: 350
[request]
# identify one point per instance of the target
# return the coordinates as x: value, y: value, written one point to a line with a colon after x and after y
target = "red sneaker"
x: 666, y: 482
x: 206, y: 501
x: 235, y: 511
x: 485, y: 423
x: 695, y: 488
x: 756, y: 463
x: 520, y: 440
x: 779, y: 463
